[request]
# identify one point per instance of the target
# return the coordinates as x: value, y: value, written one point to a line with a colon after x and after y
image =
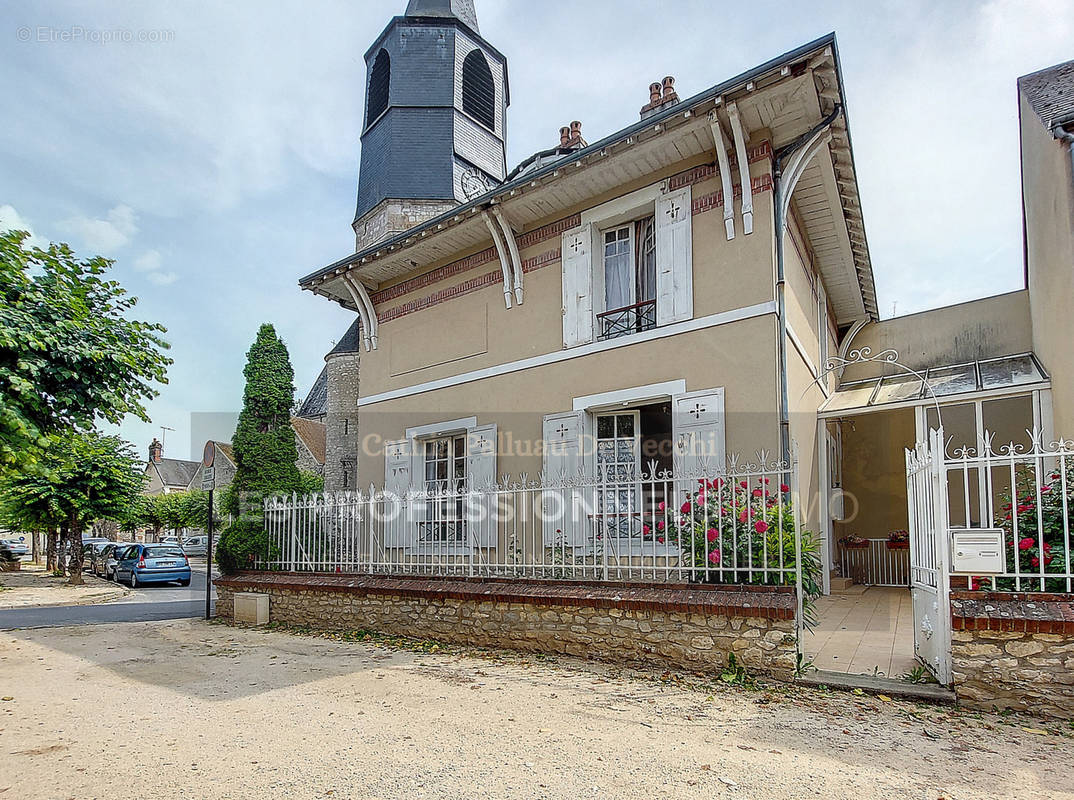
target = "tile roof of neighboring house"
x: 350, y: 341
x: 312, y: 434
x: 316, y: 402
x: 175, y: 472
x: 225, y: 448
x: 1050, y: 93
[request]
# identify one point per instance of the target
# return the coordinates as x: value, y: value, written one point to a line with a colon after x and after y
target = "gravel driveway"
x: 188, y: 710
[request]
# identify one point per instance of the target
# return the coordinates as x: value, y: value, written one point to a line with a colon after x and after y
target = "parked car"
x: 18, y: 547
x: 170, y: 540
x: 196, y: 546
x: 153, y: 563
x: 108, y: 557
x: 91, y: 556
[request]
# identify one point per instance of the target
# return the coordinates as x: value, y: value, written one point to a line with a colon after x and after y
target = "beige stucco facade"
x: 1048, y: 205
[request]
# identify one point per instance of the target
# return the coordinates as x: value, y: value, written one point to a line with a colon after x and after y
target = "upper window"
x: 478, y: 89
x: 629, y: 279
x: 379, y: 81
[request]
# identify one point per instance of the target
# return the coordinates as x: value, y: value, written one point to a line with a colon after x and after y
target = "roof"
x: 936, y: 384
x: 312, y: 434
x: 1050, y: 93
x: 350, y: 340
x: 457, y: 9
x: 174, y: 471
x: 683, y: 128
x: 225, y: 448
x: 316, y: 402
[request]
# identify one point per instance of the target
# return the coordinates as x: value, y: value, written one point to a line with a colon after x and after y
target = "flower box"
x: 855, y: 544
x: 896, y: 545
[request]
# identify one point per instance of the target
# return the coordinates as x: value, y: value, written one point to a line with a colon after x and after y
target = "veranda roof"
x: 945, y: 383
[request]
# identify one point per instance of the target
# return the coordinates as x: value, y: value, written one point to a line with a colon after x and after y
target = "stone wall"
x: 692, y: 628
x: 341, y: 423
x: 1014, y: 651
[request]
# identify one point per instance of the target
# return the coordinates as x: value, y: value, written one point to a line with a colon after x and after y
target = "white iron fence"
x: 1028, y: 491
x: 877, y: 563
x: 737, y: 526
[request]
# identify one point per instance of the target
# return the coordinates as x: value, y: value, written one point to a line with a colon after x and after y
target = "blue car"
x: 152, y: 563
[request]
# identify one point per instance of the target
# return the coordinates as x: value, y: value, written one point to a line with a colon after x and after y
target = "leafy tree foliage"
x: 264, y: 441
x: 264, y: 447
x: 80, y: 478
x: 69, y: 355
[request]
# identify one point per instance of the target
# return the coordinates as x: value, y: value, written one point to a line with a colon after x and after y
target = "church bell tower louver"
x: 435, y: 122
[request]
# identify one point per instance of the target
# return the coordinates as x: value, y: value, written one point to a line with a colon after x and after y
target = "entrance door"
x: 926, y: 493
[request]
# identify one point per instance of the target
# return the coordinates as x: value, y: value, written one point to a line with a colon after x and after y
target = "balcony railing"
x: 738, y: 526
x: 626, y: 320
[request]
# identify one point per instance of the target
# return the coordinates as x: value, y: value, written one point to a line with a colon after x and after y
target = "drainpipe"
x: 778, y: 160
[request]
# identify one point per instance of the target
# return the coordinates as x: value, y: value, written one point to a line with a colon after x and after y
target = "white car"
x: 18, y: 547
x: 196, y: 546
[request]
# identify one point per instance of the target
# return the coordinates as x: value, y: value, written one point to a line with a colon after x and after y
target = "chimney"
x: 571, y: 137
x: 156, y: 450
x: 661, y: 96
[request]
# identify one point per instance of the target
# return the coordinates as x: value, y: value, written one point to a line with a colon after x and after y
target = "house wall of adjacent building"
x: 1048, y: 199
x: 957, y: 334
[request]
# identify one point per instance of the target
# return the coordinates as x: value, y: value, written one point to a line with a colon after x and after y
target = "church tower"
x: 435, y: 121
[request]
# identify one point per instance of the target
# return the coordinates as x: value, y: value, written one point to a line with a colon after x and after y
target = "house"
x: 167, y: 475
x: 562, y: 365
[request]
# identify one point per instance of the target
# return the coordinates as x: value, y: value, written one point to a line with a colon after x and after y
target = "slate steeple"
x: 435, y: 121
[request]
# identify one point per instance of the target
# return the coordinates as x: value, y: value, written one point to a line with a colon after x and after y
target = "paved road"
x: 143, y: 604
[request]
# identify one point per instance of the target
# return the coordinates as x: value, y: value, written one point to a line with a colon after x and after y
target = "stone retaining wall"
x: 1014, y: 651
x: 692, y: 628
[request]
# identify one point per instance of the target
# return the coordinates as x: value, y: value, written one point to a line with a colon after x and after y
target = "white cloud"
x: 12, y: 220
x: 163, y: 278
x: 149, y: 261
x: 104, y: 236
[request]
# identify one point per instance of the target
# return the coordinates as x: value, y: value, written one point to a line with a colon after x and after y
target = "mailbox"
x: 977, y: 551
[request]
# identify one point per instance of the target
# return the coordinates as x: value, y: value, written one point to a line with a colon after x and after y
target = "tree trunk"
x: 50, y: 549
x: 74, y: 565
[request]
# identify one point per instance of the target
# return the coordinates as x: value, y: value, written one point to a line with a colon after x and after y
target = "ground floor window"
x: 444, y: 484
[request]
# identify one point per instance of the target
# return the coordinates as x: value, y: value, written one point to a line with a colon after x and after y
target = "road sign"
x: 208, y: 454
x: 208, y: 478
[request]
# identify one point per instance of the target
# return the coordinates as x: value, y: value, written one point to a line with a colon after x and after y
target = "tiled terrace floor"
x: 866, y: 632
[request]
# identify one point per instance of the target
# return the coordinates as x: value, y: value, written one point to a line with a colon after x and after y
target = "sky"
x: 212, y: 149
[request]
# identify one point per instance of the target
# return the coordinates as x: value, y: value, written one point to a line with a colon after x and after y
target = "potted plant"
x: 899, y: 540
x: 853, y: 542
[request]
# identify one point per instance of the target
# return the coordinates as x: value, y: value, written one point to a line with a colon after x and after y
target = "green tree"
x: 69, y: 354
x: 80, y: 477
x: 264, y: 446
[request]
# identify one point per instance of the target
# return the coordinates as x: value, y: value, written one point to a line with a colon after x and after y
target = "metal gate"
x: 926, y: 494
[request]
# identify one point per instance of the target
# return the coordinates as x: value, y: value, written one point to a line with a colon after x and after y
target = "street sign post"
x: 208, y: 482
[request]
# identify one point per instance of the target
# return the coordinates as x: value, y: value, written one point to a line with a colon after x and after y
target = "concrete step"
x: 932, y: 692
x: 841, y: 584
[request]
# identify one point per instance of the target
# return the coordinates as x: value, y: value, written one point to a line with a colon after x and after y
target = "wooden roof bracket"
x: 512, y: 247
x: 366, y: 312
x: 724, y: 163
x: 501, y: 251
x: 739, y: 131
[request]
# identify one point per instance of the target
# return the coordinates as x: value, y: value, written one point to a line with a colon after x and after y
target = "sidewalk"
x: 32, y: 586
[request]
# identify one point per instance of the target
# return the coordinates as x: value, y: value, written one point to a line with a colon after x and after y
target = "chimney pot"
x: 564, y: 136
x: 156, y: 451
x: 669, y: 89
x: 654, y: 93
x: 576, y: 129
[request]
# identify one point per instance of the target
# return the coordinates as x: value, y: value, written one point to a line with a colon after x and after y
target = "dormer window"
x: 478, y: 89
x: 379, y: 83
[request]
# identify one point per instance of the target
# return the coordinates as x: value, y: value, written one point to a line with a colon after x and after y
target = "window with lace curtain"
x: 629, y: 279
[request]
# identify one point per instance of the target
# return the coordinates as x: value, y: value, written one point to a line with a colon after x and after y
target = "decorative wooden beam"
x: 363, y: 313
x: 512, y: 246
x: 725, y: 174
x: 738, y: 128
x: 501, y: 251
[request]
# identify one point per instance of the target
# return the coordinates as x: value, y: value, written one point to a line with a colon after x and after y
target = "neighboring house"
x: 683, y: 280
x: 310, y: 443
x: 167, y: 475
x: 223, y: 466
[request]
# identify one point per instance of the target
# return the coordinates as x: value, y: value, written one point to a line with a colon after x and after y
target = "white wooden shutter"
x: 400, y: 529
x: 674, y: 258
x: 697, y: 421
x: 563, y: 518
x: 481, y: 502
x: 576, y: 258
